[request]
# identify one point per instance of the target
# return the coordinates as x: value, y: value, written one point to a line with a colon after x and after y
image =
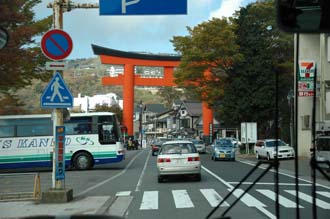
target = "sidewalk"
x: 87, y: 205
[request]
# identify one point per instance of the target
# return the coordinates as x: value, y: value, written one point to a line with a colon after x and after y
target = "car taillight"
x: 164, y: 160
x: 193, y: 158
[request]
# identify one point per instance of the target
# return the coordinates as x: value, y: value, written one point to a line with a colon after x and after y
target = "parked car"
x: 178, y: 158
x: 223, y: 149
x: 266, y: 149
x: 200, y: 145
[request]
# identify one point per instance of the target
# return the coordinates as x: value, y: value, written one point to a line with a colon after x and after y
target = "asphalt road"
x: 135, y: 192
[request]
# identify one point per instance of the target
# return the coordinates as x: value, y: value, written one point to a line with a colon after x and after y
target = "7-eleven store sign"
x: 306, y: 70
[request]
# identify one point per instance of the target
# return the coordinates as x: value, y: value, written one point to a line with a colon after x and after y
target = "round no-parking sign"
x: 56, y: 44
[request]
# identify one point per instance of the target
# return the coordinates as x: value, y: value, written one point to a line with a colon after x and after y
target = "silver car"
x: 178, y: 158
x: 200, y: 145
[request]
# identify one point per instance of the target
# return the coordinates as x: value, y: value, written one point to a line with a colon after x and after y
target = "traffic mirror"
x: 3, y: 37
x: 304, y: 16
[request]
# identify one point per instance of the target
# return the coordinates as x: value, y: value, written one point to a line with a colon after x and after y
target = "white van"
x: 323, y: 151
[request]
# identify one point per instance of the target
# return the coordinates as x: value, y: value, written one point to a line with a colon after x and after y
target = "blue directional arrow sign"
x: 142, y: 7
x: 56, y: 94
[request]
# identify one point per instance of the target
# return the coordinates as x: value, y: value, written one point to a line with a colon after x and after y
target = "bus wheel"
x: 82, y: 161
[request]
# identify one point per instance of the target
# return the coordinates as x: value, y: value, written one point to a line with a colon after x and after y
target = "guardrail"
x: 20, y: 196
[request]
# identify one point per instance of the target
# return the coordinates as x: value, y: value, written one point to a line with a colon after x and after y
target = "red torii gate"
x: 129, y: 80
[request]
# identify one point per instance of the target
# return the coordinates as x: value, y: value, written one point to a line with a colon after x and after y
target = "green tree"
x: 251, y: 89
x: 169, y: 95
x: 21, y: 59
x: 114, y: 109
x: 209, y: 46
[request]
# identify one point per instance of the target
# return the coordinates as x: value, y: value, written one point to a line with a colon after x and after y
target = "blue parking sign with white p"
x: 142, y: 7
x: 56, y: 94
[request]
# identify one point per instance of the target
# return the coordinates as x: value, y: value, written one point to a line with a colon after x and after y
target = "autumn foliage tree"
x: 21, y: 60
x: 210, y: 46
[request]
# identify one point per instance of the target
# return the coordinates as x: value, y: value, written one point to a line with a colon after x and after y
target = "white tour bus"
x: 27, y: 140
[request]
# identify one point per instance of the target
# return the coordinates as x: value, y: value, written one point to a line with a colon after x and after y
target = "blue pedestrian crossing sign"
x: 56, y: 94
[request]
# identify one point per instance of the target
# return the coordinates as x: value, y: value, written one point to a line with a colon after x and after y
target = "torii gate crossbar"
x: 128, y: 80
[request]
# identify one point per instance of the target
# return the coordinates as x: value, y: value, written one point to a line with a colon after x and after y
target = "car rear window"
x: 178, y: 148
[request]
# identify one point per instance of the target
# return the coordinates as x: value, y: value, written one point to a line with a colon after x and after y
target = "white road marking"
x: 149, y: 200
x: 111, y: 178
x: 253, y: 202
x: 137, y: 188
x: 282, y: 200
x: 182, y: 199
x: 284, y: 174
x: 217, y: 177
x: 213, y: 197
x: 272, y: 183
x: 325, y: 194
x: 123, y: 193
x: 248, y: 198
x: 309, y: 199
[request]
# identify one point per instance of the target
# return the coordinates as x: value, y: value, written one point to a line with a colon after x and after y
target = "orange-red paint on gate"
x: 129, y: 79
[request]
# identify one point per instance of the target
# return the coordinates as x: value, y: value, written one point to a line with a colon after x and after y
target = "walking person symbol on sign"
x: 56, y: 94
x: 55, y: 87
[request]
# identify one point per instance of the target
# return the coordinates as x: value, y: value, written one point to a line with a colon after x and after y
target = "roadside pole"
x: 57, y: 113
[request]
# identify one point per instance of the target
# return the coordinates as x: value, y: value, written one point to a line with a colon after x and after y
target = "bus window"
x: 107, y: 133
x: 79, y: 125
x: 7, y: 131
x: 34, y: 130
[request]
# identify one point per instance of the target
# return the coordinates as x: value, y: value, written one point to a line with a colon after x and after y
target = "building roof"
x: 156, y: 108
x: 194, y: 108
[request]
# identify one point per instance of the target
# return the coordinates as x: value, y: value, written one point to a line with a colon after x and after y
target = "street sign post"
x: 56, y: 94
x: 143, y: 7
x: 307, y: 70
x: 60, y: 153
x: 56, y: 44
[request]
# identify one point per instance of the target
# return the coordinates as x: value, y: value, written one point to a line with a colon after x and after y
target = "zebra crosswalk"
x: 183, y: 200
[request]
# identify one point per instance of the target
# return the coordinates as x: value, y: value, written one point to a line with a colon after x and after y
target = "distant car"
x: 155, y: 146
x: 178, y: 158
x: 223, y: 149
x: 236, y: 142
x: 266, y: 149
x: 200, y: 145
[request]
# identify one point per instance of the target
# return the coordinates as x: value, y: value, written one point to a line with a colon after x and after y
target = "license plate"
x: 222, y: 155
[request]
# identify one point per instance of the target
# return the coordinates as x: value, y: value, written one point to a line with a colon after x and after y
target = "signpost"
x: 56, y: 44
x: 56, y: 94
x: 143, y: 7
x: 56, y: 65
x: 60, y: 153
x: 248, y: 134
x: 307, y: 70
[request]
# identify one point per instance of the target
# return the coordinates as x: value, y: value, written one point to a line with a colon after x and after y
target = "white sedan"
x: 178, y: 158
x: 267, y: 149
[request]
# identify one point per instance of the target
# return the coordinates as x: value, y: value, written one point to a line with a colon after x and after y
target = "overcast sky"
x: 135, y: 33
